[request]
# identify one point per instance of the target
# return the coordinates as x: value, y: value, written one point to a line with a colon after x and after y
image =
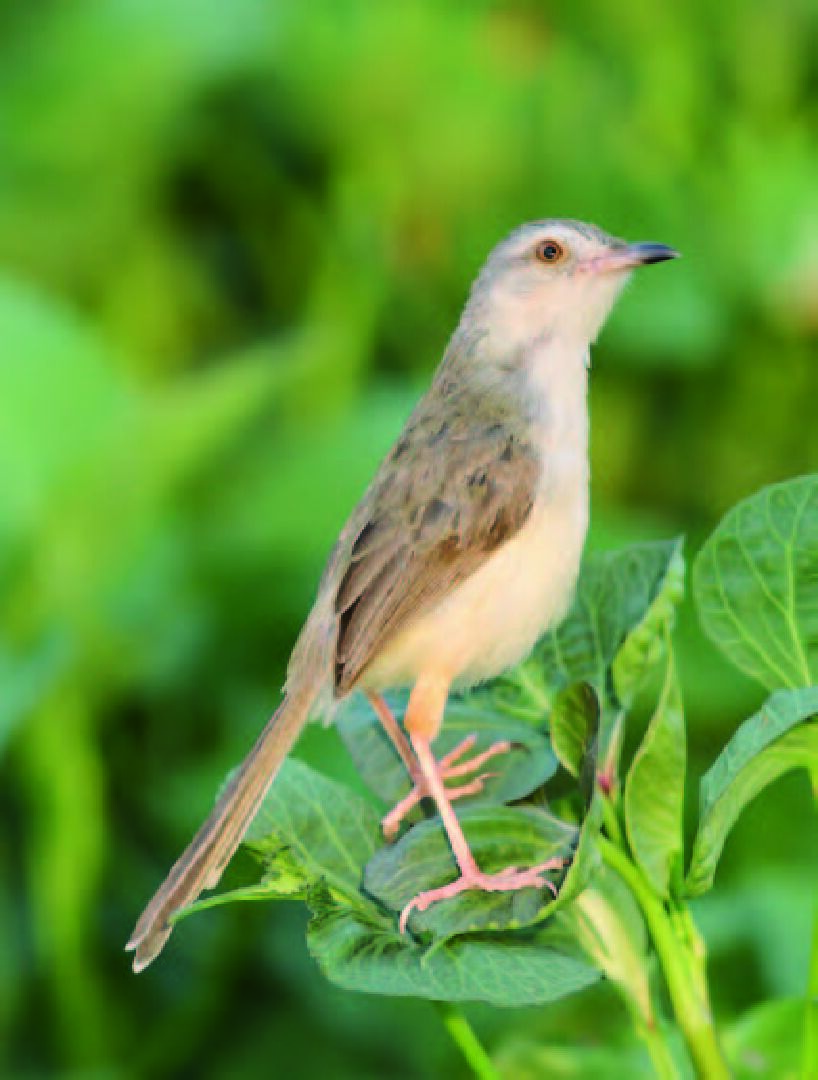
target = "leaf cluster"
x: 563, y: 791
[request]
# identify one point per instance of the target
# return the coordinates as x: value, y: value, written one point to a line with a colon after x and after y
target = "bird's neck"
x: 556, y: 375
x: 557, y: 408
x: 540, y: 387
x: 544, y: 374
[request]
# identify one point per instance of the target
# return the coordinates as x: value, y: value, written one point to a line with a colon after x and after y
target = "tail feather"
x: 202, y: 862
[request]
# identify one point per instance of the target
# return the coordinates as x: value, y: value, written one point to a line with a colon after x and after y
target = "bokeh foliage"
x: 233, y: 240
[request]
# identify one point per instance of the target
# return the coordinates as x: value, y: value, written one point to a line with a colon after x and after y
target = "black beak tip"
x: 655, y: 253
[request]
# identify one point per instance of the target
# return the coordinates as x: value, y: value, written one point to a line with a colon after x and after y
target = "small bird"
x: 463, y: 551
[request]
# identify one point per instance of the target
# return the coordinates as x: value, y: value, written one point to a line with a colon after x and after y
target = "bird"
x: 464, y: 549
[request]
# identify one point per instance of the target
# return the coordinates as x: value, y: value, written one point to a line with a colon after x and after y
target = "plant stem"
x: 611, y: 822
x: 681, y: 953
x: 809, y: 1062
x: 463, y: 1036
x: 641, y: 1011
x: 655, y: 1044
x: 809, y: 1056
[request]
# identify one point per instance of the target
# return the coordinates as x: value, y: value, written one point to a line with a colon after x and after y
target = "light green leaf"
x: 524, y: 1059
x: 56, y: 371
x: 586, y: 858
x: 781, y: 711
x: 766, y: 1041
x: 642, y: 648
x: 498, y: 837
x: 27, y: 678
x: 528, y: 764
x: 764, y: 747
x: 756, y: 584
x: 654, y: 790
x: 625, y: 600
x: 573, y: 724
x: 606, y: 921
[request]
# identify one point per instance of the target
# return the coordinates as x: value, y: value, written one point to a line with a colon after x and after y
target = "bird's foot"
x: 473, y: 878
x: 449, y: 768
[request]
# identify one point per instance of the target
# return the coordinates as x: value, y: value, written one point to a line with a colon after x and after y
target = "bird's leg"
x: 449, y: 767
x: 423, y: 719
x: 392, y: 729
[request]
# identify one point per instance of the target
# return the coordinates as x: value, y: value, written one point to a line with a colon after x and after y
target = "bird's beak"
x: 629, y: 256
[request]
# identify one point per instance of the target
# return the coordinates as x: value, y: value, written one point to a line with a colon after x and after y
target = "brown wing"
x: 446, y: 498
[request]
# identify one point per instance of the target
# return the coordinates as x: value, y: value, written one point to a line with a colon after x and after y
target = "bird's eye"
x: 549, y: 251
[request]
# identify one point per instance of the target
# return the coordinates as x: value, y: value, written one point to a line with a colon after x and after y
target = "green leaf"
x: 756, y: 584
x: 586, y: 858
x: 781, y: 711
x: 524, y: 768
x: 498, y: 837
x: 573, y: 725
x: 28, y: 677
x: 309, y: 830
x: 606, y: 921
x: 358, y: 955
x: 313, y: 838
x: 654, y: 790
x: 764, y: 747
x: 766, y: 1041
x: 642, y: 648
x: 46, y: 344
x: 326, y: 830
x: 625, y: 601
x: 524, y: 1059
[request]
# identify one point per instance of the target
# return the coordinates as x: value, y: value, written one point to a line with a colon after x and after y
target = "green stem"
x: 642, y: 1014
x: 681, y: 954
x: 809, y: 1063
x: 809, y: 1057
x: 611, y: 822
x: 656, y: 1046
x: 463, y: 1036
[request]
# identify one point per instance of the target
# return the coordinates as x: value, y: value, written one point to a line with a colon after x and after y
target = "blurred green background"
x: 233, y: 240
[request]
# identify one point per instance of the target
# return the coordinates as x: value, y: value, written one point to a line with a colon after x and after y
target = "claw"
x: 448, y: 770
x: 473, y: 879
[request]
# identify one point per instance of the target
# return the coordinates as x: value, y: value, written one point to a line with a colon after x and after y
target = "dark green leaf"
x: 625, y: 600
x: 518, y: 772
x: 309, y: 831
x: 327, y: 831
x: 499, y: 837
x: 765, y: 746
x: 313, y: 837
x: 654, y: 790
x: 359, y: 955
x: 756, y: 584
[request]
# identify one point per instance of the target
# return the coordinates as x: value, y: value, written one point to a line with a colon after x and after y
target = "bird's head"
x: 556, y: 277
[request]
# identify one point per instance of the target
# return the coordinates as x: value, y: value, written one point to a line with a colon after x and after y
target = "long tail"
x: 201, y: 863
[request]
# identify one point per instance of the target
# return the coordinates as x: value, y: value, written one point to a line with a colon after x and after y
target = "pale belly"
x: 493, y: 619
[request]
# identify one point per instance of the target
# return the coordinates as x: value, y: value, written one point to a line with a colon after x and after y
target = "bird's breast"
x: 491, y: 621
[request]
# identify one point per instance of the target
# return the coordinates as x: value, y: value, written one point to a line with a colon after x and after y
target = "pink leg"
x: 446, y: 767
x: 471, y: 876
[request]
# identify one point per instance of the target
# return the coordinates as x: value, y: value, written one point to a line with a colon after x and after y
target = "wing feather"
x: 446, y: 498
